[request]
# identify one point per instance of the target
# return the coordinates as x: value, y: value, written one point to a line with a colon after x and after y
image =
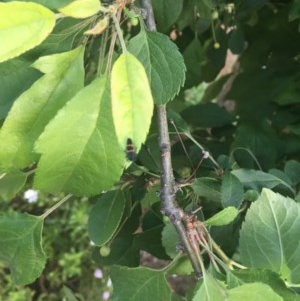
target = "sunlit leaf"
x: 222, y: 218
x: 32, y: 111
x: 80, y: 152
x: 81, y: 8
x: 22, y: 27
x: 267, y: 238
x: 20, y: 240
x: 132, y: 101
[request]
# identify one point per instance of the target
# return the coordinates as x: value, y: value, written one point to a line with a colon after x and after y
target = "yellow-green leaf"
x: 23, y: 25
x: 132, y: 101
x: 81, y: 8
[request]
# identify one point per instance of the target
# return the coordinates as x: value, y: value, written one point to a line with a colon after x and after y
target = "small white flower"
x: 98, y: 274
x: 109, y: 283
x: 205, y: 154
x: 31, y: 195
x: 92, y: 243
x: 105, y: 295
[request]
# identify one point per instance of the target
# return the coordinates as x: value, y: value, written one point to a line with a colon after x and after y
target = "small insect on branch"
x: 130, y: 150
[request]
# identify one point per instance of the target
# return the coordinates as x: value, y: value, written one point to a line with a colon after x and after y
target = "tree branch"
x: 168, y: 185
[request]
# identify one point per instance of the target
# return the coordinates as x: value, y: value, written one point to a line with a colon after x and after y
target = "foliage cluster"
x: 80, y: 78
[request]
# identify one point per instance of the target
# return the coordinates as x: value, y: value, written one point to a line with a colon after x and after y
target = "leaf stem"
x: 119, y: 32
x: 58, y: 204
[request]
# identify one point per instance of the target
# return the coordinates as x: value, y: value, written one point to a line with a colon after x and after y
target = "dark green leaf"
x: 166, y: 73
x: 207, y: 115
x: 166, y: 13
x: 236, y: 42
x: 21, y: 249
x: 267, y: 238
x: 217, y: 55
x: 255, y: 143
x: 105, y: 217
x: 122, y: 252
x: 180, y: 124
x: 139, y: 284
x: 208, y: 187
x: 155, y: 248
x: 194, y: 58
x: 231, y: 191
x: 16, y: 77
x: 294, y: 11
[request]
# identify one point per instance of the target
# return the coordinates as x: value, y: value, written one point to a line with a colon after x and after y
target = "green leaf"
x: 292, y: 169
x: 180, y: 124
x: 156, y: 249
x: 166, y: 13
x: 236, y: 42
x: 253, y: 292
x: 69, y: 295
x: 33, y: 24
x: 20, y: 240
x: 224, y: 217
x: 16, y: 77
x: 105, y: 217
x: 182, y: 266
x: 267, y: 277
x: 294, y: 12
x: 139, y: 284
x: 267, y: 238
x: 256, y: 179
x: 207, y: 115
x: 122, y: 251
x: 166, y: 73
x: 259, y: 138
x: 132, y: 102
x: 81, y: 8
x: 170, y: 240
x: 210, y: 290
x: 11, y: 183
x: 80, y: 152
x: 53, y: 4
x: 231, y: 191
x: 64, y: 75
x: 207, y: 187
x: 194, y: 59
